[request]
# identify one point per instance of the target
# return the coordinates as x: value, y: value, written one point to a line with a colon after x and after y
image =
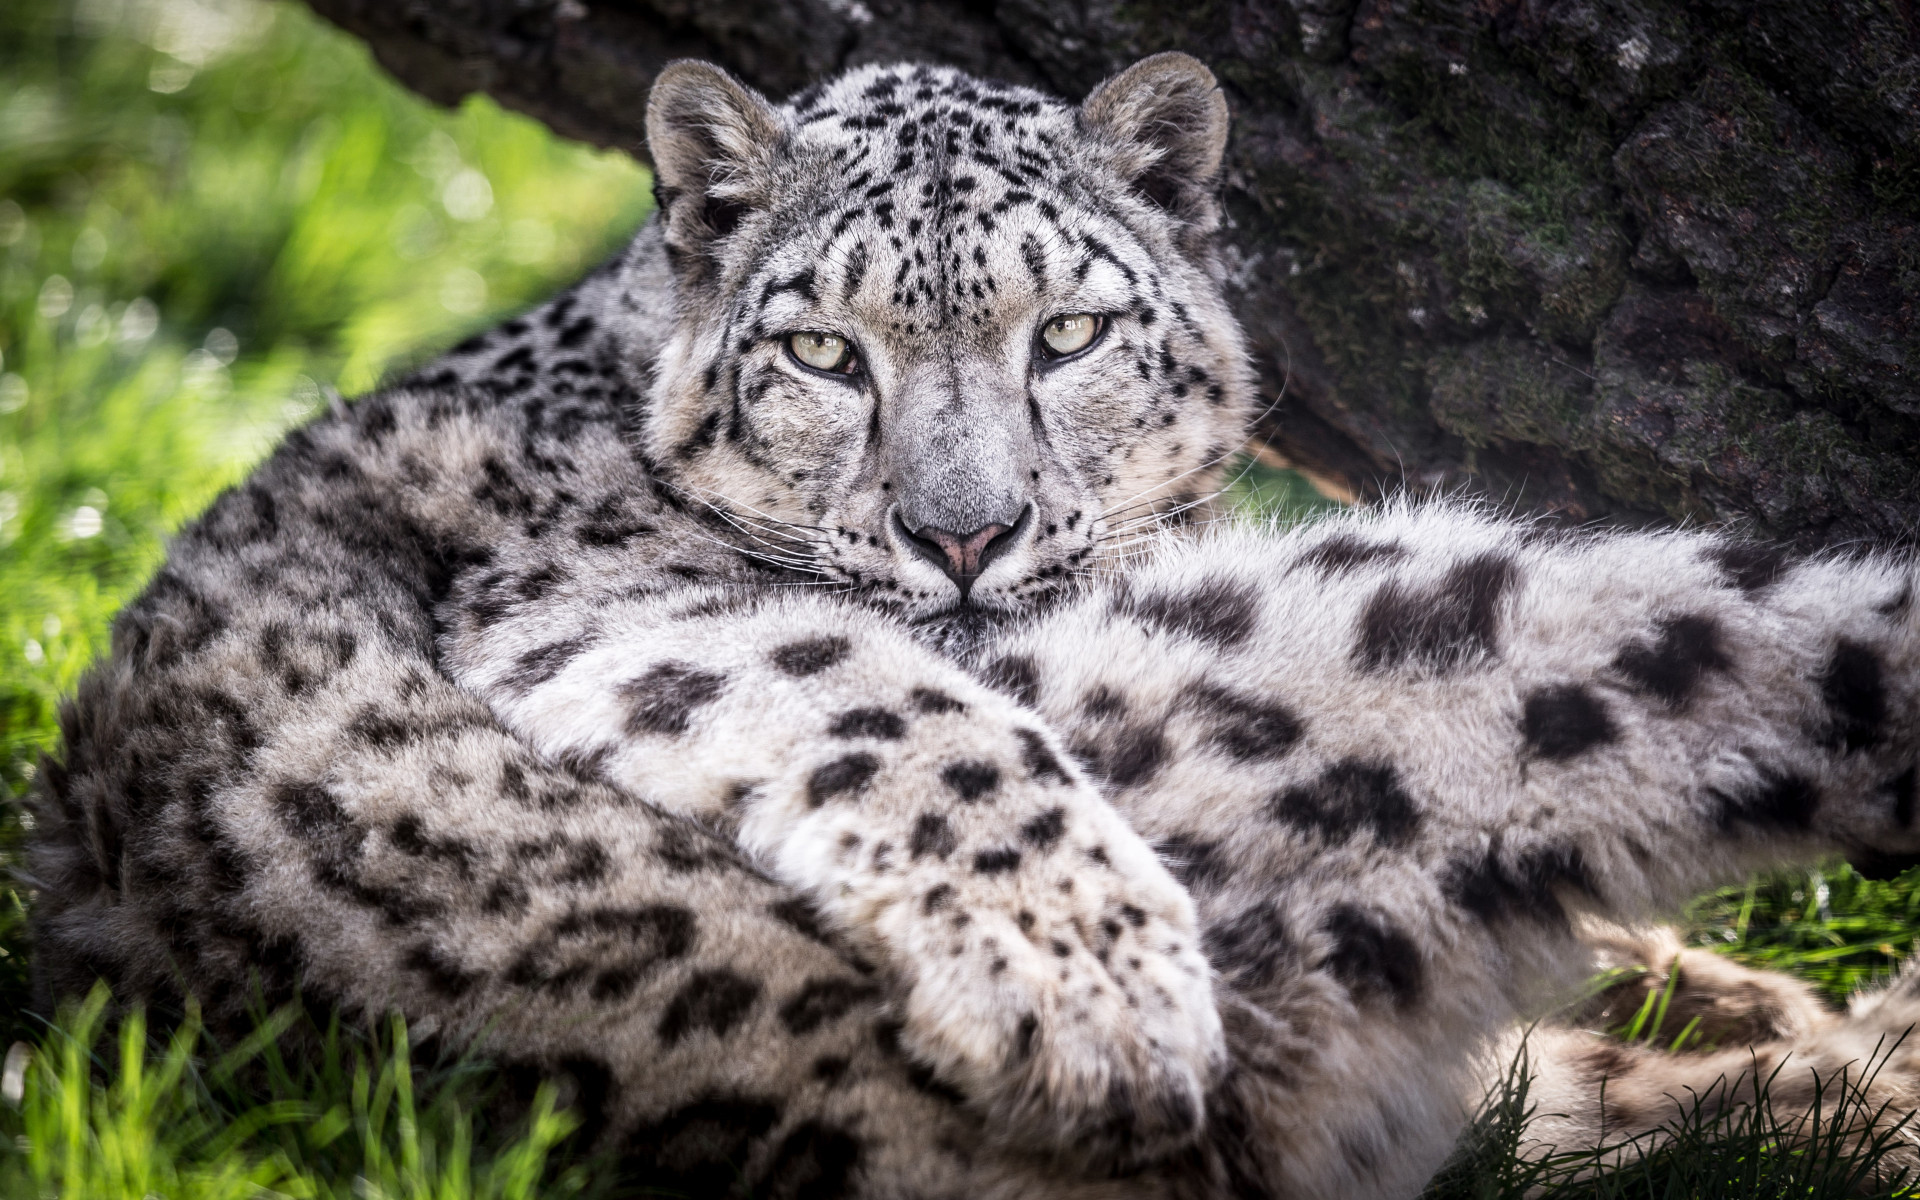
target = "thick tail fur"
x: 1763, y: 1051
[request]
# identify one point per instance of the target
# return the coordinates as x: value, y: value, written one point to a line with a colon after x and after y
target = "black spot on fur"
x: 1198, y: 865
x: 970, y: 780
x: 699, y: 1149
x: 714, y: 1000
x: 1349, y: 796
x: 1900, y: 794
x: 664, y: 699
x: 830, y: 1068
x: 1606, y: 1060
x: 1023, y: 1037
x: 868, y: 723
x: 1673, y: 665
x: 1253, y: 948
x: 1103, y: 703
x: 886, y: 1035
x: 310, y: 811
x: 814, y: 1162
x: 687, y: 848
x: 614, y: 946
x: 586, y: 1090
x: 932, y: 835
x: 1856, y: 696
x: 701, y: 439
x: 932, y: 702
x: 1525, y: 886
x: 823, y: 1000
x: 995, y: 862
x: 1040, y: 761
x: 1750, y: 566
x: 1045, y: 830
x: 1346, y: 552
x: 810, y: 657
x: 797, y: 912
x: 541, y: 664
x: 1372, y: 958
x: 842, y: 775
x: 1771, y: 802
x: 1216, y: 611
x: 1565, y: 720
x: 608, y: 523
x: 1131, y: 756
x: 1248, y: 729
x: 500, y: 491
x: 938, y: 897
x: 1017, y: 676
x: 1441, y: 628
x: 444, y: 975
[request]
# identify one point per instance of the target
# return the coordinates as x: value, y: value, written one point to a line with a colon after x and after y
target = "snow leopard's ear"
x: 713, y: 141
x: 1166, y: 121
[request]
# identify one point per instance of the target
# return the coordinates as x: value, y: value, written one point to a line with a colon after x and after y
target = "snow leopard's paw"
x: 1050, y: 967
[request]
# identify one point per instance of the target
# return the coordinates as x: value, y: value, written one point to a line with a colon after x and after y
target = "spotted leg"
x: 1046, y: 964
x: 1391, y: 753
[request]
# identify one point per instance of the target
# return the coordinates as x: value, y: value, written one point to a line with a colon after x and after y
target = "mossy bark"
x: 1636, y: 259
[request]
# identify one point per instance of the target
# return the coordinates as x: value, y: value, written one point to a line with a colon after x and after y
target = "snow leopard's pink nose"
x: 962, y: 555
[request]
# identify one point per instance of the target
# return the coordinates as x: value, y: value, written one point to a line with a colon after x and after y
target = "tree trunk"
x: 1628, y: 258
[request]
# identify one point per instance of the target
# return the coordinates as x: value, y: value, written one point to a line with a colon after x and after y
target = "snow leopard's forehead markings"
x: 938, y: 223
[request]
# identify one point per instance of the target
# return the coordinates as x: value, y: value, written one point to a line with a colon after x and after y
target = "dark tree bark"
x: 1630, y: 258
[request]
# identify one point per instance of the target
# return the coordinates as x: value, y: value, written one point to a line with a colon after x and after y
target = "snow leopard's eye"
x: 823, y: 352
x: 1070, y: 334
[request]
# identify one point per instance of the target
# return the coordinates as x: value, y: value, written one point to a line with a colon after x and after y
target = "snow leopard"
x: 788, y: 689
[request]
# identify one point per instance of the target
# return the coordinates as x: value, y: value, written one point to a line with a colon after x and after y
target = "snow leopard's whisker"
x: 757, y: 538
x: 1121, y: 510
x: 1163, y: 516
x: 759, y: 532
x: 1223, y: 456
x: 786, y: 561
x: 734, y: 518
x: 764, y: 516
x: 787, y: 556
x: 771, y: 542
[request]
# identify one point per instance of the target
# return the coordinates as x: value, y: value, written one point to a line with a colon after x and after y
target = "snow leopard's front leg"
x: 1046, y: 964
x: 1391, y: 754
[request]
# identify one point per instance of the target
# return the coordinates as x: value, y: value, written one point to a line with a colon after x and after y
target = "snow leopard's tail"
x: 1759, y: 1054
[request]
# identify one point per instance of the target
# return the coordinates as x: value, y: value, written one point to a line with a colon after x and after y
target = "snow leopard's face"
x: 944, y: 341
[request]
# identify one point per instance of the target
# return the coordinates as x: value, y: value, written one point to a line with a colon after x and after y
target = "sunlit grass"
x: 106, y: 1113
x: 1829, y: 926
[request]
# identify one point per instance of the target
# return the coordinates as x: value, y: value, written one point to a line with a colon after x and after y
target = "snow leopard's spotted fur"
x: 587, y: 693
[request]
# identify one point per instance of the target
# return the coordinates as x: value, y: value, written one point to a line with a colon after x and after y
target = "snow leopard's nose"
x: 963, y: 555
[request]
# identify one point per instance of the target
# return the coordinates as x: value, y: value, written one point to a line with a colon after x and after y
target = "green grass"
x: 298, y: 1110
x: 1829, y: 926
x: 212, y: 214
